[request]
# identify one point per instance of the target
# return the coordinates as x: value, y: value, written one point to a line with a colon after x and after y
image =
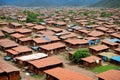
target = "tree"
x: 82, y: 53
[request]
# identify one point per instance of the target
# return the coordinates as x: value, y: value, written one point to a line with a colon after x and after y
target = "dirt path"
x: 74, y: 67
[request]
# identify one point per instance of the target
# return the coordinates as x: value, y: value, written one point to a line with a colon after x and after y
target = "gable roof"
x: 52, y: 46
x: 65, y: 74
x: 45, y: 62
x: 110, y: 75
x: 99, y: 47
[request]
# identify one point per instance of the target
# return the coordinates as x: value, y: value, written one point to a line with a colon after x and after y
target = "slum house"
x: 25, y: 32
x: 95, y: 50
x: 62, y: 25
x: 29, y: 25
x: 115, y: 59
x: 3, y: 75
x: 38, y: 66
x: 83, y: 32
x: 96, y: 34
x: 22, y: 60
x: 50, y: 22
x: 56, y: 30
x: 52, y: 48
x: 111, y: 45
x: 91, y: 61
x: 9, y: 71
x: 65, y: 74
x: 16, y: 36
x: 7, y: 44
x: 117, y: 51
x: 37, y: 28
x: 15, y: 25
x: 1, y: 35
x: 68, y: 36
x: 76, y: 43
x: 45, y: 40
x: 47, y: 33
x: 4, y: 24
x: 93, y: 40
x: 115, y: 35
x: 8, y: 31
x: 106, y: 56
x: 25, y: 41
x: 109, y: 75
x: 18, y: 51
x: 102, y: 29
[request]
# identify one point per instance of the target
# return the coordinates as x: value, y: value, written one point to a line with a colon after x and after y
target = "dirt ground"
x: 66, y: 62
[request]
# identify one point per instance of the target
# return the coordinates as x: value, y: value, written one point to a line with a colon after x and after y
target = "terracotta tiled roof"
x: 65, y: 74
x: 99, y: 47
x: 76, y: 41
x: 52, y: 46
x: 91, y: 59
x: 45, y: 62
x: 110, y: 75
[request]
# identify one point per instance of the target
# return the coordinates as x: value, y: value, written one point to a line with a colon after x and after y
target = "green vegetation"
x: 107, y: 4
x: 40, y: 76
x: 104, y: 14
x: 32, y: 17
x: 81, y: 53
x: 101, y: 68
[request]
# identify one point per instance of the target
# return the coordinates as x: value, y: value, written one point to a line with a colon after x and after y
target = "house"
x: 8, y: 31
x: 38, y: 66
x: 91, y: 61
x: 29, y: 25
x: 117, y: 51
x: 106, y: 56
x: 65, y: 74
x: 60, y: 24
x: 18, y: 51
x: 115, y: 35
x: 96, y: 34
x: 25, y: 41
x: 45, y: 40
x: 7, y: 44
x: 15, y: 25
x: 98, y: 49
x: 37, y: 28
x: 22, y: 60
x: 83, y: 32
x: 109, y: 75
x: 56, y: 30
x: 102, y: 29
x: 1, y: 35
x: 93, y: 40
x: 3, y: 75
x: 111, y: 45
x: 115, y: 59
x: 52, y: 48
x: 47, y: 32
x: 50, y: 22
x: 76, y: 43
x: 16, y: 36
x: 24, y: 31
x: 9, y: 71
x: 67, y: 36
x: 3, y: 24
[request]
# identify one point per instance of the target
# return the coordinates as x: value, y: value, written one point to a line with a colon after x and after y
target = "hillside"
x: 35, y: 3
x: 107, y: 3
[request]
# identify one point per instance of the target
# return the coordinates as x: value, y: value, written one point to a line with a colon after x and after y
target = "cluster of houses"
x: 32, y: 45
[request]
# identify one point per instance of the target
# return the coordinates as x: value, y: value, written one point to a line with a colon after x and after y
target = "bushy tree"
x: 82, y: 53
